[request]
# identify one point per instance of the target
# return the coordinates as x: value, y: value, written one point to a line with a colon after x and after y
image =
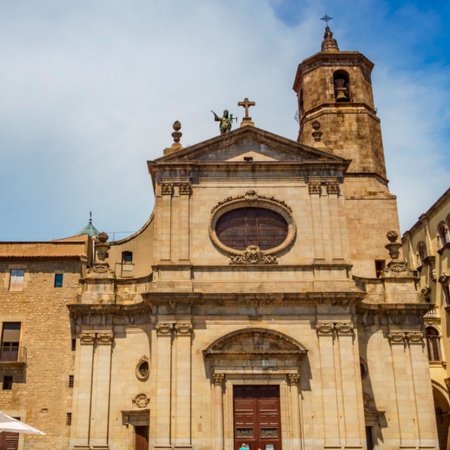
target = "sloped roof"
x: 215, y: 149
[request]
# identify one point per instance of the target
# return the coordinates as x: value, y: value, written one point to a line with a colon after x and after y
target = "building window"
x: 16, y: 279
x: 421, y: 253
x: 10, y: 341
x: 127, y: 257
x: 71, y: 380
x: 69, y: 418
x: 242, y: 227
x: 442, y: 234
x: 58, y: 280
x: 341, y: 83
x: 433, y: 344
x: 380, y: 264
x: 74, y: 345
x: 7, y: 383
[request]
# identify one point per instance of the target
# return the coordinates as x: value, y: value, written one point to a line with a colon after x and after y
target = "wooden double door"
x: 257, y: 422
x: 9, y: 441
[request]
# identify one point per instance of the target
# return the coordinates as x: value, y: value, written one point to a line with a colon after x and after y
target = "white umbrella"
x: 12, y: 425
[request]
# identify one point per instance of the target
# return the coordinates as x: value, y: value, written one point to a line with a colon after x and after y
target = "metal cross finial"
x: 246, y: 104
x: 326, y: 18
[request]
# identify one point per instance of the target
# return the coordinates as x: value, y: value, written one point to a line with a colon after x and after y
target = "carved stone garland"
x: 252, y: 254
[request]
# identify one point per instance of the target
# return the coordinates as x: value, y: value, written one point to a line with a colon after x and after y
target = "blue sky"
x: 89, y: 92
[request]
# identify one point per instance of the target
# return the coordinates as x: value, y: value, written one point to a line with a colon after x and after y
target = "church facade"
x: 264, y: 305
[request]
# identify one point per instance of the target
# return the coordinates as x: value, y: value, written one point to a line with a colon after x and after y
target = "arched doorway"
x: 442, y: 411
x: 255, y: 372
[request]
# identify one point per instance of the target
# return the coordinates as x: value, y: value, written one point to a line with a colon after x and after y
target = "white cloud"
x: 90, y: 90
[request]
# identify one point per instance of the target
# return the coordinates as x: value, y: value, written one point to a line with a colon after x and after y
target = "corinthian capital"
x: 164, y: 329
x: 183, y: 328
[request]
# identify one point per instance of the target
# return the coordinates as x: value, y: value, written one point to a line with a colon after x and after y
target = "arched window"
x: 127, y: 257
x: 421, y: 253
x: 341, y: 83
x: 442, y: 234
x: 433, y: 344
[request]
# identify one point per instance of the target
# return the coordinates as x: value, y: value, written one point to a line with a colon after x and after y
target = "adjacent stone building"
x: 265, y: 304
x: 426, y: 247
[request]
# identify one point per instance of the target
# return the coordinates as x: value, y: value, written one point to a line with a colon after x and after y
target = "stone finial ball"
x: 392, y: 235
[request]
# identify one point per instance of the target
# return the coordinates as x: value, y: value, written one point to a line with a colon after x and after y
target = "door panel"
x: 9, y: 441
x: 257, y: 417
x: 141, y: 437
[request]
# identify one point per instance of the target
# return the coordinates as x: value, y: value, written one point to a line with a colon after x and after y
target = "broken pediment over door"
x: 255, y: 349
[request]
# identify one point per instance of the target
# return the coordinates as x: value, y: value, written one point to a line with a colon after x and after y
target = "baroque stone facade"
x: 265, y: 302
x: 426, y: 247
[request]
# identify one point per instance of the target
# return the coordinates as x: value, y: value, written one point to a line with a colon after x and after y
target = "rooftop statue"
x: 225, y: 121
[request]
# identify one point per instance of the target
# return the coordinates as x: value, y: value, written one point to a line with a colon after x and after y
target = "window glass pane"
x: 16, y: 280
x: 58, y: 279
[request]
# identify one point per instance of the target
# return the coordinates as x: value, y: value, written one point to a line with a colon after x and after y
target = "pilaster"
x: 293, y: 380
x: 218, y: 380
x: 163, y: 367
x: 82, y: 391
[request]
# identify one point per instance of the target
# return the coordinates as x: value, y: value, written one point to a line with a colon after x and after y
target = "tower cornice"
x: 323, y: 59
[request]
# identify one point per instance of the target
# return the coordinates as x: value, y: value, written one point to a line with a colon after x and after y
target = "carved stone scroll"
x: 141, y: 400
x: 397, y: 337
x: 183, y: 328
x: 415, y: 337
x: 164, y: 329
x: 105, y: 338
x: 292, y: 378
x: 87, y: 338
x: 344, y: 329
x: 218, y: 379
x: 325, y: 328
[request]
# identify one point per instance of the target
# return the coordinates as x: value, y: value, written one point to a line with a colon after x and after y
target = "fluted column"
x: 163, y: 367
x: 182, y: 390
x: 218, y: 380
x: 101, y: 391
x: 293, y: 380
x: 82, y: 392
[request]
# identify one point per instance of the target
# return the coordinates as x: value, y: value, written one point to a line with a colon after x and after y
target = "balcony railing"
x: 432, y: 312
x: 13, y: 354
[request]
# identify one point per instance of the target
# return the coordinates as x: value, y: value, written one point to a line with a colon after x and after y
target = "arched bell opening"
x: 341, y: 82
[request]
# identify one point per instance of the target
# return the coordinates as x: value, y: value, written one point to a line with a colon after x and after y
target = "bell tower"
x: 336, y: 108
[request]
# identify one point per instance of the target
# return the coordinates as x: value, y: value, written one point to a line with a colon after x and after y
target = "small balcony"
x: 12, y: 355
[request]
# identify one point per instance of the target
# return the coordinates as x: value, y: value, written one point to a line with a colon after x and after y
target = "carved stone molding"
x: 314, y: 187
x: 415, y: 337
x: 166, y: 188
x: 183, y: 329
x: 185, y: 189
x: 344, y: 329
x: 293, y: 378
x: 141, y: 400
x: 253, y: 255
x: 105, y: 338
x: 87, y: 338
x: 164, y: 329
x: 397, y: 337
x: 332, y: 187
x: 143, y: 368
x: 325, y: 328
x: 218, y: 379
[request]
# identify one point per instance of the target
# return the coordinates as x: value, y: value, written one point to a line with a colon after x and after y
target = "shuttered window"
x: 9, y: 350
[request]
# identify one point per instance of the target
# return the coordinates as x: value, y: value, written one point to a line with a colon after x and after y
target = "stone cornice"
x: 254, y: 299
x: 391, y: 312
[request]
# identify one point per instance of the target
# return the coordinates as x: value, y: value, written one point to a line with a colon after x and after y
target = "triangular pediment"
x: 249, y: 144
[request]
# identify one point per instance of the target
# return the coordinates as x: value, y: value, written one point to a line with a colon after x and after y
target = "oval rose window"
x: 239, y: 228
